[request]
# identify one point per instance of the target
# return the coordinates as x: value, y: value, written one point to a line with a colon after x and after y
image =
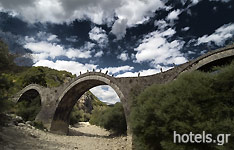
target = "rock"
x: 17, y: 119
x: 21, y: 124
x: 29, y: 123
x: 33, y: 135
x: 85, y: 102
x: 124, y: 138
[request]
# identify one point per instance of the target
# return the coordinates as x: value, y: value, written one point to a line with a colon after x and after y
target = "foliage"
x: 195, y: 102
x: 5, y: 85
x: 97, y: 116
x: 38, y: 125
x: 28, y: 108
x: 111, y: 118
x: 44, y: 76
x: 78, y: 115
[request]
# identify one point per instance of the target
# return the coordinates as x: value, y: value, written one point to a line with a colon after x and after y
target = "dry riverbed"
x: 82, y: 137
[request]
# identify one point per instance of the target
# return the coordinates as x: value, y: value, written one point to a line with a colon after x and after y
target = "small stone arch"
x: 206, y: 59
x: 74, y: 91
x: 220, y: 55
x: 31, y: 87
x: 30, y: 90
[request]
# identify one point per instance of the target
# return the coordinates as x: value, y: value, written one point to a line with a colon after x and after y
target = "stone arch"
x: 30, y: 92
x: 212, y: 58
x: 29, y: 88
x: 73, y: 92
x: 206, y: 59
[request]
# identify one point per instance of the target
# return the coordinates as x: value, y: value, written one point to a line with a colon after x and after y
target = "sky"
x: 125, y: 37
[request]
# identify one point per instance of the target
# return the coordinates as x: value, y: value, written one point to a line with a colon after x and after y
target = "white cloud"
x: 105, y: 93
x: 220, y: 36
x: 72, y: 39
x: 75, y: 53
x: 185, y: 29
x: 161, y: 24
x: 44, y: 50
x: 174, y: 15
x: 70, y: 66
x: 119, y: 28
x: 99, y: 54
x: 53, y: 38
x: 113, y: 70
x: 43, y: 36
x: 99, y: 35
x: 100, y: 11
x: 144, y: 72
x: 123, y: 56
x: 155, y: 48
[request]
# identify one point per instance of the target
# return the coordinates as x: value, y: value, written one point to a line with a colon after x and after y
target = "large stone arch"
x: 74, y: 91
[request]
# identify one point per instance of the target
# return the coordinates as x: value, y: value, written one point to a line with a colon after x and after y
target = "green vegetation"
x: 110, y: 118
x: 28, y: 108
x: 80, y: 114
x: 195, y: 102
x: 13, y: 78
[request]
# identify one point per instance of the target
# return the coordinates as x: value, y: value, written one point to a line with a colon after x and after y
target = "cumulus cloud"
x: 99, y: 54
x: 116, y: 70
x: 43, y: 36
x: 45, y: 50
x: 128, y: 12
x: 144, y: 72
x: 185, y: 29
x: 174, y: 15
x: 106, y: 94
x: 220, y: 36
x: 99, y: 35
x: 161, y: 24
x: 123, y: 56
x: 155, y: 48
x: 119, y: 28
x: 72, y: 39
x: 70, y: 66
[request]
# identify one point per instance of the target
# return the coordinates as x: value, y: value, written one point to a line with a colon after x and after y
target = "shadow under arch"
x: 29, y: 98
x: 71, y: 95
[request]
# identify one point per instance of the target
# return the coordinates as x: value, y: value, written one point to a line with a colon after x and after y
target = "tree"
x: 195, y: 102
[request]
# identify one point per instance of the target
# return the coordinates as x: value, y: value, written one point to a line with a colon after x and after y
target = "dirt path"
x: 82, y: 137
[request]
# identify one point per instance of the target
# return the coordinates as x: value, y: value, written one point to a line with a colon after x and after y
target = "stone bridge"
x: 57, y: 103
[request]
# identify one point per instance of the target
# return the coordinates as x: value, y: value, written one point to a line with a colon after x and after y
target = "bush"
x: 195, y: 102
x: 5, y: 85
x: 28, y: 108
x: 111, y: 118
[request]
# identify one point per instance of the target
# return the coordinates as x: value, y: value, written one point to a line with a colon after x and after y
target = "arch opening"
x: 100, y: 106
x: 216, y: 63
x: 28, y: 105
x: 71, y: 95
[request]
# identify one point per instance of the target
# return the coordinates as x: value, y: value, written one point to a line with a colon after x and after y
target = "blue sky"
x: 122, y: 36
